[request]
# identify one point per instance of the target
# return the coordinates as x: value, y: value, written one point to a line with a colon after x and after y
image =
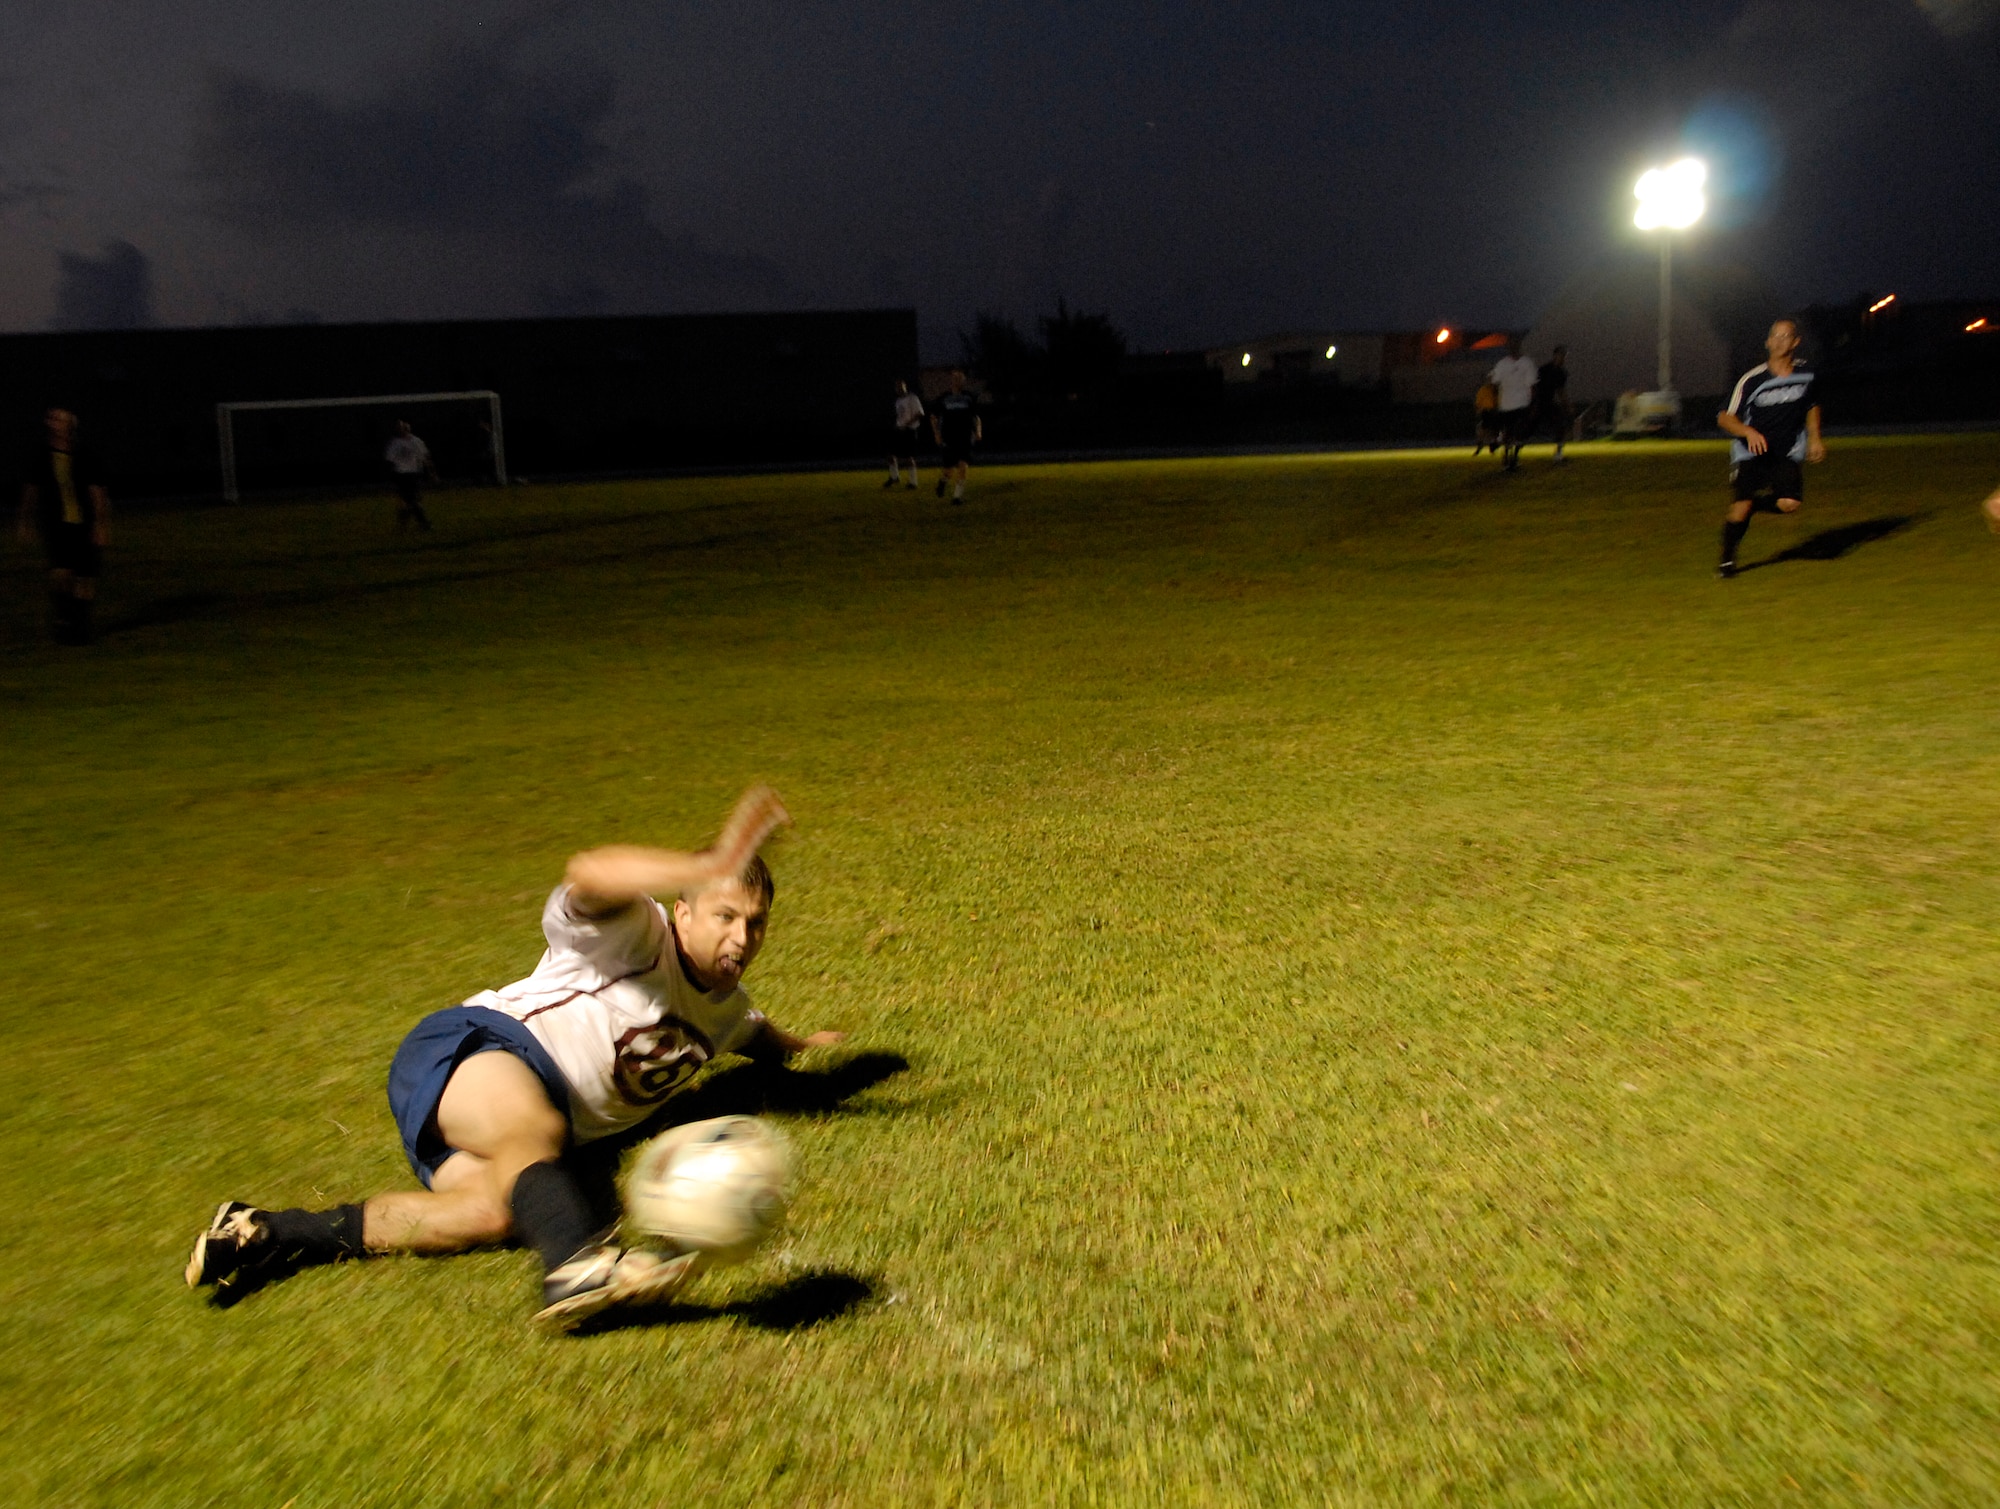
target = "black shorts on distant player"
x: 1773, y: 419
x: 1767, y: 478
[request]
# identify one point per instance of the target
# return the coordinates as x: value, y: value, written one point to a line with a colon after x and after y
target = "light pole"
x: 1670, y: 199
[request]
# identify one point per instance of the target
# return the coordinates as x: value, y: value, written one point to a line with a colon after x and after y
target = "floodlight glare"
x: 1670, y: 198
x: 1246, y: 358
x: 1329, y: 352
x: 1882, y: 303
x: 1444, y: 335
x: 1978, y: 324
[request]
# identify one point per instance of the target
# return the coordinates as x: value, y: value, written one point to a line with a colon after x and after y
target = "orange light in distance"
x: 1978, y: 324
x: 1444, y: 335
x: 1882, y: 303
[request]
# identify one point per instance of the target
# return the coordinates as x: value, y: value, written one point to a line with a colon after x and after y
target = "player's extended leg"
x: 62, y: 606
x: 1735, y: 524
x: 497, y: 1117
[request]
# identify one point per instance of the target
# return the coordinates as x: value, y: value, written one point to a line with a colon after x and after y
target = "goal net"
x: 303, y: 442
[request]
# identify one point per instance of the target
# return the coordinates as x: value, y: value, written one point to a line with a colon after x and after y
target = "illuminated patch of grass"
x: 1413, y: 992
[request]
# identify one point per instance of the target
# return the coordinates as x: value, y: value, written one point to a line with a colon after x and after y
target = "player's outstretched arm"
x: 772, y: 1042
x: 618, y: 874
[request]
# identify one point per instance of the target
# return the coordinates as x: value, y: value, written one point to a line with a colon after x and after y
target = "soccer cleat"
x: 1725, y: 571
x: 236, y: 1242
x: 576, y: 1290
x: 890, y: 483
x: 603, y: 1276
x: 940, y: 489
x: 909, y: 487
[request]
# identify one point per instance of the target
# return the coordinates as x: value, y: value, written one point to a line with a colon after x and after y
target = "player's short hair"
x: 754, y: 876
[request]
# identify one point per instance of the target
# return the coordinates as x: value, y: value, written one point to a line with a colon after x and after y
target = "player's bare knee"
x: 1788, y: 505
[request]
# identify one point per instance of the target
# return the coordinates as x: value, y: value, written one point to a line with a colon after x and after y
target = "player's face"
x: 721, y: 932
x: 61, y: 425
x: 1783, y: 339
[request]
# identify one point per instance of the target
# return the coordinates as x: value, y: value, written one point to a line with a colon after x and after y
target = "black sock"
x: 1732, y: 536
x: 317, y: 1236
x: 550, y: 1213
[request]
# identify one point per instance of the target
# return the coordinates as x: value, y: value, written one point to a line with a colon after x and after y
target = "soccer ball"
x: 716, y: 1187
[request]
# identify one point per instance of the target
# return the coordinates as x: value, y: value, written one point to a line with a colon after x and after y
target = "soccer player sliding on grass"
x: 1774, y: 420
x: 631, y: 998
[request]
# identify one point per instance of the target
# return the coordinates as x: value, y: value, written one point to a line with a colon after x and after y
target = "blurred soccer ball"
x: 718, y: 1187
x: 1992, y: 507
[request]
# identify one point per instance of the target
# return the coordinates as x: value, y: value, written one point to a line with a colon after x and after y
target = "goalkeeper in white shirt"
x: 630, y: 999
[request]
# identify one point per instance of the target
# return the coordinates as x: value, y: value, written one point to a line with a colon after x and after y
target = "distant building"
x: 1442, y: 364
x: 1351, y: 357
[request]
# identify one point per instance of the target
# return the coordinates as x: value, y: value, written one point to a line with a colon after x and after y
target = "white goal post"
x: 225, y: 423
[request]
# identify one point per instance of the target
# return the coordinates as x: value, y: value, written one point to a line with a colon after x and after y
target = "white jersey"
x: 909, y: 409
x: 624, y: 1024
x: 407, y: 453
x: 1515, y: 377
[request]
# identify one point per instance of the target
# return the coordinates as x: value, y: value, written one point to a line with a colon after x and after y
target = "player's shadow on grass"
x: 1832, y: 544
x: 164, y: 610
x: 799, y: 1304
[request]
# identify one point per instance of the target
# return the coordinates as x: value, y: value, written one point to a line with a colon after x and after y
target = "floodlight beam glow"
x: 1882, y: 303
x: 1671, y: 198
x: 1246, y: 358
x: 1444, y: 335
x: 1329, y: 352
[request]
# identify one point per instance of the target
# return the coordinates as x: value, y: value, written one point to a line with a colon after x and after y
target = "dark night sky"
x: 1202, y: 172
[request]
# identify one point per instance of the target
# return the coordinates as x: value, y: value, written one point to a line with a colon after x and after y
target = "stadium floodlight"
x: 225, y: 423
x: 1882, y: 303
x: 1978, y: 324
x: 1444, y: 335
x: 1329, y: 352
x: 1246, y: 358
x: 1670, y: 199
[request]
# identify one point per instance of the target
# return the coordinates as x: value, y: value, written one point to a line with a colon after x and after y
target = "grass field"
x: 1411, y: 991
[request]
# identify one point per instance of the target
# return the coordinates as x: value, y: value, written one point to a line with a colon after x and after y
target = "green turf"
x: 1413, y: 992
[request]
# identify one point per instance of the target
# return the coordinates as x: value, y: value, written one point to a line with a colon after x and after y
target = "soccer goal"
x: 493, y: 441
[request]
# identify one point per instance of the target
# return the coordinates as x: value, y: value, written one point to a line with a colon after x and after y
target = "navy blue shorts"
x: 423, y: 1066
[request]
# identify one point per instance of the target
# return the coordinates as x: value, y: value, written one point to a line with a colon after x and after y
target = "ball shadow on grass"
x: 798, y: 1304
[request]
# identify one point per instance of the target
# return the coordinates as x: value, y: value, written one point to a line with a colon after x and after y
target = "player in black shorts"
x: 64, y: 501
x: 955, y: 426
x: 1552, y: 408
x: 1773, y: 417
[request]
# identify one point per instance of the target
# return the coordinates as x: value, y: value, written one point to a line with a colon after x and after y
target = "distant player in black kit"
x: 903, y: 435
x: 1774, y: 419
x: 1552, y: 397
x: 64, y: 501
x: 955, y: 425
